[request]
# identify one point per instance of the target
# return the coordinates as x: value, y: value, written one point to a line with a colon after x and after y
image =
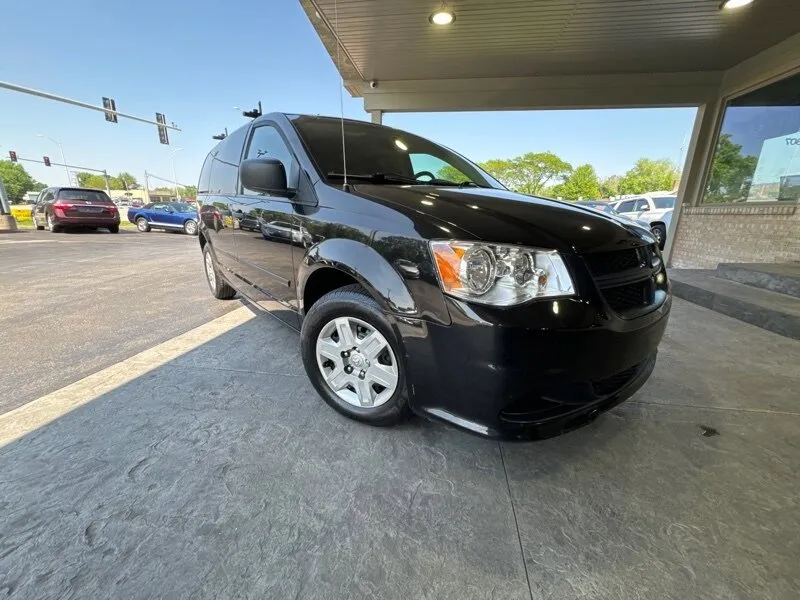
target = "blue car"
x: 171, y: 216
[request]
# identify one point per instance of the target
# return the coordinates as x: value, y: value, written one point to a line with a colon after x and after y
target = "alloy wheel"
x: 190, y: 227
x: 141, y: 225
x: 211, y: 274
x: 357, y: 362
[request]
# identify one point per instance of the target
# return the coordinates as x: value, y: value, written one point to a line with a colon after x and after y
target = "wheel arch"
x: 338, y: 262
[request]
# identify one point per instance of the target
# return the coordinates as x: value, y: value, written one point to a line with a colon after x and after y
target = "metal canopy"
x: 524, y: 44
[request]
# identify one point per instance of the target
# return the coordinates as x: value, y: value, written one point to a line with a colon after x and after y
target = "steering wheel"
x: 423, y: 174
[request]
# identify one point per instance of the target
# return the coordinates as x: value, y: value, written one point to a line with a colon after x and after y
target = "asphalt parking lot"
x: 205, y: 466
x: 74, y: 303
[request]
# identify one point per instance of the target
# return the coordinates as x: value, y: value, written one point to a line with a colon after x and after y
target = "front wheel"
x: 142, y: 225
x: 114, y: 229
x: 35, y: 222
x: 352, y: 357
x: 660, y: 233
x: 218, y: 286
x: 190, y: 227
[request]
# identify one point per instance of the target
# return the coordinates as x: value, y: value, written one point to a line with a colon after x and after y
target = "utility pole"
x: 174, y: 176
x: 108, y: 187
x: 61, y: 149
x: 146, y: 188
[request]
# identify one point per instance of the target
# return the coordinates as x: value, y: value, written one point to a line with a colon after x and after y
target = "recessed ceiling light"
x: 443, y: 16
x: 728, y: 4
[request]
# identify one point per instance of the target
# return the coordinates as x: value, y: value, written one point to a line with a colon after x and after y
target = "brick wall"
x: 711, y: 234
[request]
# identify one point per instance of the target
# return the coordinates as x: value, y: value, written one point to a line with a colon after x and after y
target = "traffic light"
x: 163, y: 137
x: 12, y: 155
x: 110, y: 105
x: 46, y: 161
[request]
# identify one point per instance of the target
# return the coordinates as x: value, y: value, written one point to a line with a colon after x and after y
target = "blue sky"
x: 195, y: 61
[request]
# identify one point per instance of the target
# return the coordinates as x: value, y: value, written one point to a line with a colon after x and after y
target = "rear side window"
x: 626, y: 206
x: 89, y: 195
x: 205, y: 175
x: 229, y: 150
x: 664, y: 202
x: 225, y: 165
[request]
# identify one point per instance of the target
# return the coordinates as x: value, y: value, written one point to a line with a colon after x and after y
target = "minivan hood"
x: 507, y: 217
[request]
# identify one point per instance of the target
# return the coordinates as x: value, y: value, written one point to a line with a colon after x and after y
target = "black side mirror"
x: 266, y: 175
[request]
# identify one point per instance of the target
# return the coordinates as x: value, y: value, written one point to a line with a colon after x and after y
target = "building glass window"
x: 757, y: 158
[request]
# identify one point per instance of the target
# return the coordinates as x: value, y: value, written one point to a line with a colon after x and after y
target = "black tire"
x: 142, y: 225
x: 36, y: 223
x: 219, y: 287
x: 52, y: 227
x: 114, y: 229
x: 190, y: 227
x: 660, y: 233
x: 353, y: 301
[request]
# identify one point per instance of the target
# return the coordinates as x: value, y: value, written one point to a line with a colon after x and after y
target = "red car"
x: 60, y: 207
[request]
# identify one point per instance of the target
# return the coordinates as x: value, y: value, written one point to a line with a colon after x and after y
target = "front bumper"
x: 529, y: 372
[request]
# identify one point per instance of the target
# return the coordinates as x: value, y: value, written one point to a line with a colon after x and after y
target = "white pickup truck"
x: 655, y: 209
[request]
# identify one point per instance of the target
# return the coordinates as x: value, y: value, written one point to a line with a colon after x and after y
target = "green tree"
x: 125, y: 181
x: 530, y: 173
x: 122, y: 181
x: 190, y: 191
x: 581, y: 184
x: 731, y: 172
x: 610, y: 186
x: 91, y: 180
x: 16, y: 179
x: 501, y: 169
x: 448, y: 172
x: 649, y: 175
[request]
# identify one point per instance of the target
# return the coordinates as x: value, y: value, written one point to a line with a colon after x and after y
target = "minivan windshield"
x: 383, y: 155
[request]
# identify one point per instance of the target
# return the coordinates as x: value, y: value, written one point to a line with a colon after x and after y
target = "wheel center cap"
x: 357, y: 360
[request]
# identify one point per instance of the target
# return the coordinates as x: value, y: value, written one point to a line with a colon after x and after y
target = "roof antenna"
x: 341, y: 87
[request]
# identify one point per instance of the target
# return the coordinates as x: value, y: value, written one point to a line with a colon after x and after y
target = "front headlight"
x: 499, y: 274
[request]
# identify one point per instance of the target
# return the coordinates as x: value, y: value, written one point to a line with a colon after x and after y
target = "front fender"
x: 363, y: 264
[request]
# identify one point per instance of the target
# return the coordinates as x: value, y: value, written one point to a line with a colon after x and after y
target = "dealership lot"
x: 179, y: 451
x: 75, y: 303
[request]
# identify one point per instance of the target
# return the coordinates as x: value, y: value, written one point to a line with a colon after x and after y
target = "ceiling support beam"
x: 529, y: 93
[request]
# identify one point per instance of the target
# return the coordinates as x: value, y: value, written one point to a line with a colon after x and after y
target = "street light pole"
x: 174, y: 175
x: 60, y: 149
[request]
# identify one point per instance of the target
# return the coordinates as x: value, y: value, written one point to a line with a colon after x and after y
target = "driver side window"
x: 266, y: 142
x: 425, y: 163
x: 642, y: 205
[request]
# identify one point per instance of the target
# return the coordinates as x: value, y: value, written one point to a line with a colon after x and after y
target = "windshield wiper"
x: 380, y: 178
x: 398, y: 178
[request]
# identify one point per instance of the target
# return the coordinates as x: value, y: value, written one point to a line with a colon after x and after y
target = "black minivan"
x: 420, y: 283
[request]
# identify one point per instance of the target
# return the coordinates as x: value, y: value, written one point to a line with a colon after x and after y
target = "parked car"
x: 655, y: 210
x: 503, y: 314
x: 606, y: 207
x: 598, y: 205
x: 58, y: 208
x: 171, y: 216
